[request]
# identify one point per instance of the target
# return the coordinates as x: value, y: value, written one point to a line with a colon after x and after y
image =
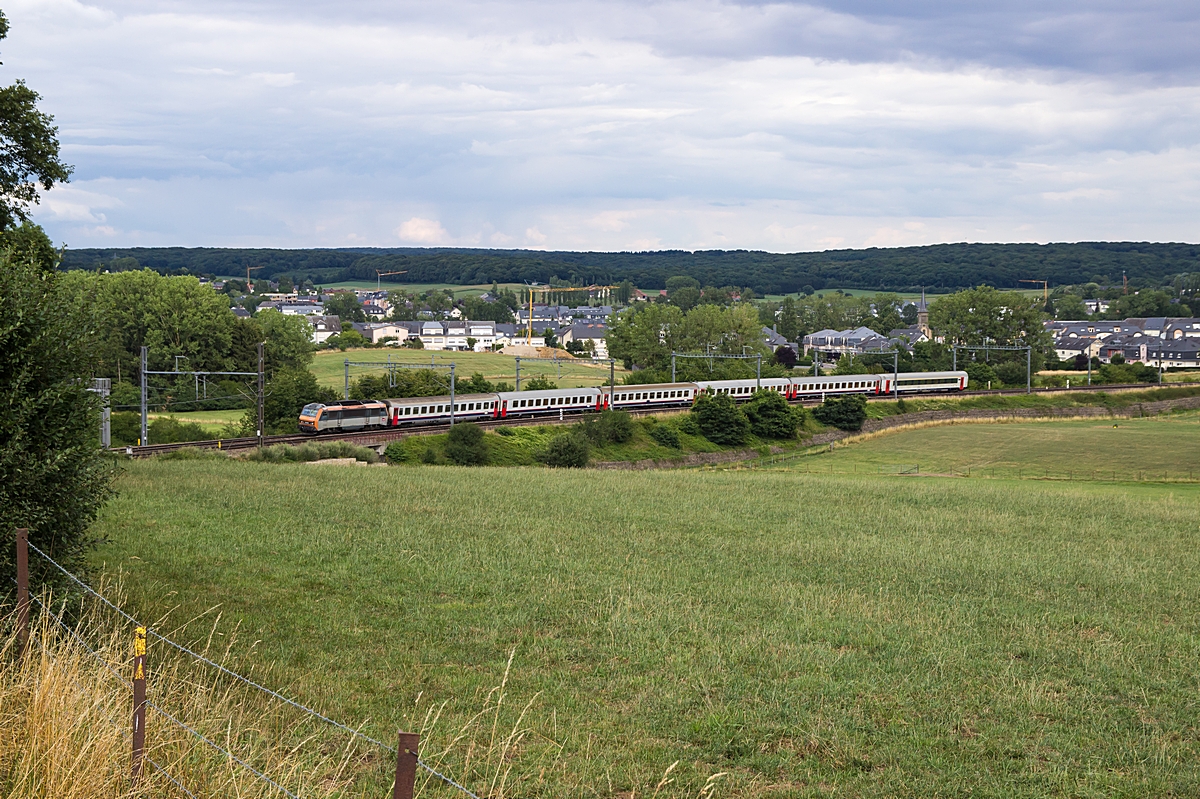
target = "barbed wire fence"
x: 406, y: 753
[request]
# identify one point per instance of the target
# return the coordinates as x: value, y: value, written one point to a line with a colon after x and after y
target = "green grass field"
x: 806, y: 636
x: 329, y: 366
x: 1154, y: 448
x: 211, y: 421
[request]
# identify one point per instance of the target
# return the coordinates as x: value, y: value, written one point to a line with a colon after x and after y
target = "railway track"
x: 372, y: 438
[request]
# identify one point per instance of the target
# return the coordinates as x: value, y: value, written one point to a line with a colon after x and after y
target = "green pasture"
x: 211, y: 421
x: 329, y: 366
x: 799, y: 635
x: 1154, y: 448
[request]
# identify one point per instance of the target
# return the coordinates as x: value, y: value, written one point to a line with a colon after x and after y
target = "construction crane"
x: 379, y: 274
x: 1045, y: 288
x: 546, y: 291
x: 250, y: 288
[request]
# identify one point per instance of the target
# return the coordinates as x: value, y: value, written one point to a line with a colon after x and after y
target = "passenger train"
x: 410, y: 411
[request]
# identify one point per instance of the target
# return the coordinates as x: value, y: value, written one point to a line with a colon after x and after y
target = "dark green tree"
x: 466, y: 445
x: 538, y: 383
x: 720, y: 420
x: 53, y: 476
x: 345, y: 306
x: 770, y: 416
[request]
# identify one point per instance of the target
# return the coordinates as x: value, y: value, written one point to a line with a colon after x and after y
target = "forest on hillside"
x: 935, y: 267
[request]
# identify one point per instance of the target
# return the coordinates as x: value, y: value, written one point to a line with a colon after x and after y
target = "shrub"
x: 610, y: 427
x: 506, y: 431
x: 844, y: 413
x: 170, y: 431
x: 687, y: 425
x: 395, y: 452
x: 430, y: 456
x: 979, y: 374
x: 720, y: 420
x: 1012, y: 373
x: 192, y: 454
x: 466, y: 445
x: 665, y: 435
x: 567, y: 450
x: 313, y: 451
x: 770, y: 416
x: 539, y: 383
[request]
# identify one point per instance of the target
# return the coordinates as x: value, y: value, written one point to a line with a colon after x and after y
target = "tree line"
x: 940, y: 267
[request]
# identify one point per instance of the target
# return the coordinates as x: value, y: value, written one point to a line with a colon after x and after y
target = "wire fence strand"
x: 275, y: 694
x: 224, y: 670
x: 444, y: 778
x: 222, y: 750
x: 82, y: 584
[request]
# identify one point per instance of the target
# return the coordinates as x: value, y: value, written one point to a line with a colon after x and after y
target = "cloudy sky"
x: 616, y: 125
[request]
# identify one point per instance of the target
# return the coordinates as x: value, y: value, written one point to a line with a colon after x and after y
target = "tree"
x: 789, y: 319
x: 549, y: 338
x: 981, y: 315
x: 720, y: 420
x: 345, y: 306
x: 770, y: 416
x: 645, y: 337
x: 28, y: 150
x: 53, y: 476
x: 539, y: 383
x: 686, y: 297
x: 1069, y: 306
x: 844, y: 413
x: 678, y: 282
x: 785, y: 356
x: 466, y: 446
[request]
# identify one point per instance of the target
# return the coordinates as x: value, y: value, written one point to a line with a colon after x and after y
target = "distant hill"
x: 941, y: 266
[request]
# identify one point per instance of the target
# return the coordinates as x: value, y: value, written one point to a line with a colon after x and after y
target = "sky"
x: 616, y: 125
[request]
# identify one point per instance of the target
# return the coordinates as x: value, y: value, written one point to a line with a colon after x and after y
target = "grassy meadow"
x: 329, y: 366
x: 798, y: 635
x: 1154, y: 448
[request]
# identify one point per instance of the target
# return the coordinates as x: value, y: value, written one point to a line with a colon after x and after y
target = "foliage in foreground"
x: 721, y: 420
x: 53, y: 476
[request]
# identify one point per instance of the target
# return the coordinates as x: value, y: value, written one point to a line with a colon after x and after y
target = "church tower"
x: 923, y: 317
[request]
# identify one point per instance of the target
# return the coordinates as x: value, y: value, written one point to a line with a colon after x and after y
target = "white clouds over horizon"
x: 604, y: 126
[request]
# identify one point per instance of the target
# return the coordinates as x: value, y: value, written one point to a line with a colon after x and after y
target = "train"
x: 352, y: 415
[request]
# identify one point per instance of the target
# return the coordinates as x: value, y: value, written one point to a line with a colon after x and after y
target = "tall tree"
x: 28, y: 150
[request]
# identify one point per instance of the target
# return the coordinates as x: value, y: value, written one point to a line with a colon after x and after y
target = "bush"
x: 720, y: 420
x: 979, y: 374
x: 610, y: 427
x: 770, y: 416
x: 1013, y: 373
x: 466, y: 446
x: 844, y: 413
x: 170, y: 431
x: 506, y: 431
x: 430, y: 456
x: 539, y: 383
x: 687, y: 425
x: 665, y: 435
x: 395, y: 452
x: 192, y: 454
x: 313, y: 451
x: 567, y: 450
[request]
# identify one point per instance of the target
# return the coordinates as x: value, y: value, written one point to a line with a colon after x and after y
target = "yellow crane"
x: 379, y: 274
x: 546, y: 291
x: 250, y: 288
x: 1045, y: 288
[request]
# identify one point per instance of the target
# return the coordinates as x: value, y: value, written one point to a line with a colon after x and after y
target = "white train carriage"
x: 656, y: 395
x: 743, y: 390
x: 552, y: 401
x: 343, y: 416
x: 924, y: 382
x: 816, y: 388
x: 424, y: 410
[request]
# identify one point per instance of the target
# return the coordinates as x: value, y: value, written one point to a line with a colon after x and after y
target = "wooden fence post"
x: 406, y: 765
x: 22, y: 590
x: 139, y: 705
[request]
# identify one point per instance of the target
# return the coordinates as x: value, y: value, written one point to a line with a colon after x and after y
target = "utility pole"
x: 347, y: 390
x: 612, y: 381
x: 261, y: 394
x: 1029, y: 370
x: 518, y: 358
x: 672, y: 367
x: 758, y: 374
x: 144, y: 440
x: 452, y: 395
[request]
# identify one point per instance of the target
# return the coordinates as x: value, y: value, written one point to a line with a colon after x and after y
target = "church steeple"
x: 923, y: 316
